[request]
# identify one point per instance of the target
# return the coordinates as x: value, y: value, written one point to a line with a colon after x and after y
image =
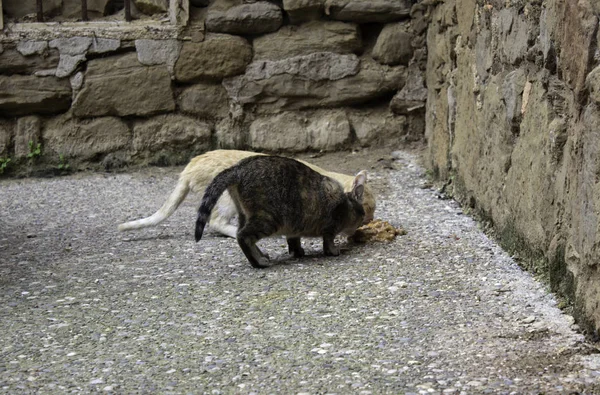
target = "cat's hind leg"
x: 222, y: 218
x: 248, y: 235
x: 295, y: 247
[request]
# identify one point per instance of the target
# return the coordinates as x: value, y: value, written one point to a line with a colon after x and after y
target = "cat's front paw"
x: 260, y: 263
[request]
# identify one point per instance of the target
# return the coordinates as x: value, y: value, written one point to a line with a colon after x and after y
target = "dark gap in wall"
x: 369, y: 32
x: 378, y: 102
x: 120, y: 51
x: 114, y: 6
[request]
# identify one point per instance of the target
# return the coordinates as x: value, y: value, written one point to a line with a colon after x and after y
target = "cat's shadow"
x: 166, y: 236
x: 311, y: 257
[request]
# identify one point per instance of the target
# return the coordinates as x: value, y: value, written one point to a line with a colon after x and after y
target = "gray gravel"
x: 440, y: 310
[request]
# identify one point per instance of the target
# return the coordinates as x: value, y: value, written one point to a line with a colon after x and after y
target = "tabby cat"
x: 281, y: 196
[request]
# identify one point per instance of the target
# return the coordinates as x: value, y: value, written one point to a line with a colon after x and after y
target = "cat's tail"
x: 213, y: 192
x: 167, y: 209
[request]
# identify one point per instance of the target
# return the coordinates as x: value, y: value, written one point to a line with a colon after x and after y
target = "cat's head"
x: 355, y: 215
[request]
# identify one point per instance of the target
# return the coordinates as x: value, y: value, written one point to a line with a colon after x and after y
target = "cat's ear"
x: 358, y: 186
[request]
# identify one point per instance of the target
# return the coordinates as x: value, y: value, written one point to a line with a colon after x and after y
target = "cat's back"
x: 277, y: 171
x: 203, y: 168
x: 285, y: 186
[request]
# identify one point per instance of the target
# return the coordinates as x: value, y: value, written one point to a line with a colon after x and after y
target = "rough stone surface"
x: 512, y: 35
x: 150, y: 7
x: 512, y: 92
x: 593, y: 84
x: 442, y: 309
x: 231, y: 132
x: 316, y: 36
x: 411, y: 98
x: 23, y: 95
x: 13, y: 62
x: 295, y: 132
x: 377, y: 128
x: 219, y: 56
x: 251, y: 18
x: 580, y: 25
x: 67, y: 64
x: 85, y: 139
x: 204, y: 100
x: 394, y: 45
x: 361, y: 11
x: 28, y: 131
x: 76, y: 83
x: 316, y: 66
x: 6, y: 137
x: 104, y: 45
x: 285, y: 91
x: 71, y: 46
x: 27, y: 48
x: 303, y: 10
x: 171, y: 132
x: 483, y: 54
x: 122, y: 86
x: 154, y: 52
x: 509, y: 117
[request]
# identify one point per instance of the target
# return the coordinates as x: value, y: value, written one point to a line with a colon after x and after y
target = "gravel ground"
x: 440, y: 310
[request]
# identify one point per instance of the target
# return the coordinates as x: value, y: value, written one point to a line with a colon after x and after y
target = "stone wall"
x: 277, y: 76
x: 513, y: 121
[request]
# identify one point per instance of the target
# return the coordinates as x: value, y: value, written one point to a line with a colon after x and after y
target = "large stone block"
x: 297, y: 131
x: 121, y: 86
x: 394, y: 45
x: 13, y: 62
x: 85, y: 139
x: 252, y: 18
x: 377, y: 127
x: 22, y: 95
x: 316, y: 36
x: 219, y: 56
x: 368, y: 11
x: 303, y: 10
x: 171, y: 133
x: 204, y: 100
x: 316, y: 66
x: 303, y: 90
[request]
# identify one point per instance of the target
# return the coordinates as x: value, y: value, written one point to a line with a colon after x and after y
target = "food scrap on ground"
x: 377, y: 230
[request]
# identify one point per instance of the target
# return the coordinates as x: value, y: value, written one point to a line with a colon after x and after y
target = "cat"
x: 203, y: 168
x: 274, y: 196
